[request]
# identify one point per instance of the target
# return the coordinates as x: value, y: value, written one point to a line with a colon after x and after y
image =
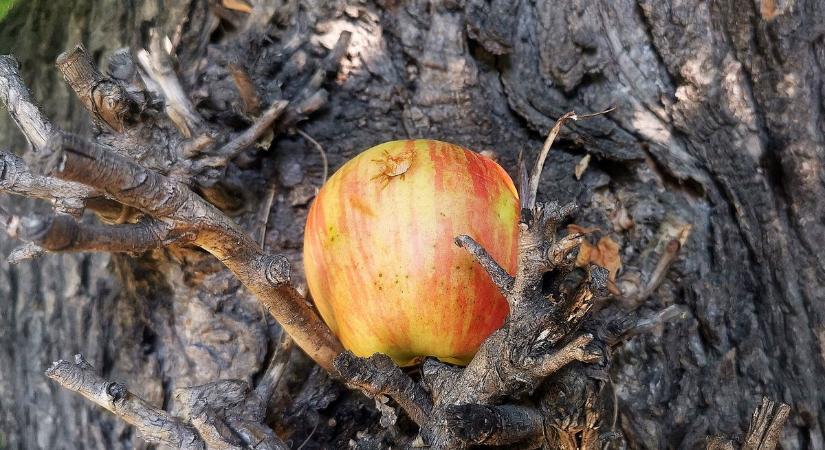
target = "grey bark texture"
x: 718, y: 125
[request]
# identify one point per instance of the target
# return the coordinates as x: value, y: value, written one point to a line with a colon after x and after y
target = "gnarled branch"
x: 378, y: 375
x: 155, y: 425
x: 64, y: 233
x: 495, y: 425
x: 164, y: 198
x: 16, y: 97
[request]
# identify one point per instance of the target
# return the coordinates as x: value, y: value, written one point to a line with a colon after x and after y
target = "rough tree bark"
x: 718, y: 125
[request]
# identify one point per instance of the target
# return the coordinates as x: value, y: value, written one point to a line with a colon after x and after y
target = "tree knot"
x: 116, y: 391
x: 8, y: 172
x: 277, y: 269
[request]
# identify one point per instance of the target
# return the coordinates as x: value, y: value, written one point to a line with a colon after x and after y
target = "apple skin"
x: 380, y: 257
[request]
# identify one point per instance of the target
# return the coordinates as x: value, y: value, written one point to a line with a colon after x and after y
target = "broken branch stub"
x: 105, y: 99
x: 156, y: 64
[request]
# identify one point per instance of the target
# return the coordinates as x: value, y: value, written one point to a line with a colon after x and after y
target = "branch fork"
x: 139, y: 180
x: 224, y: 414
x: 171, y: 211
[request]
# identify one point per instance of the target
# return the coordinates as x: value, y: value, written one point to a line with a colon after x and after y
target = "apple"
x: 380, y: 258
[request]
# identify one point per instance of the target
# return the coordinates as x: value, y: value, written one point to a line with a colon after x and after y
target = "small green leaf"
x: 5, y: 7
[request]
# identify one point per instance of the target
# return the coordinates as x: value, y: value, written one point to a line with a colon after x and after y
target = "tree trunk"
x: 717, y: 125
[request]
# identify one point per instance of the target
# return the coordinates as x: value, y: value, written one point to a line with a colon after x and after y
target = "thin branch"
x: 523, y: 175
x: 275, y: 371
x: 17, y: 178
x: 321, y: 152
x: 575, y: 350
x: 262, y: 218
x: 155, y: 425
x: 500, y: 277
x: 233, y: 148
x: 63, y: 233
x: 17, y: 99
x: 378, y: 375
x: 529, y: 196
x: 297, y: 111
x: 191, y: 148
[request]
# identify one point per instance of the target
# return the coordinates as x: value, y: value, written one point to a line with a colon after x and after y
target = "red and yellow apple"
x: 380, y: 258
